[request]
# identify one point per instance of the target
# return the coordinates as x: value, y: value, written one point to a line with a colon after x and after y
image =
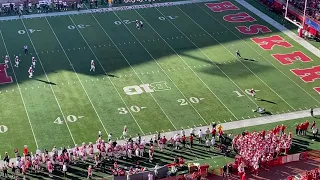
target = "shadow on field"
x: 235, y: 69
x: 47, y: 82
x: 264, y: 100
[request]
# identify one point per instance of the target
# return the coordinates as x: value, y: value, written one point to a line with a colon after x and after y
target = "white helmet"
x: 32, y: 57
x: 92, y: 60
x: 16, y: 56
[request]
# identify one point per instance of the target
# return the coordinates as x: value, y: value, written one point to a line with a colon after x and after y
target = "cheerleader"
x: 96, y: 160
x: 50, y: 168
x: 124, y: 150
x: 141, y: 147
x: 130, y: 150
x: 90, y: 172
x: 124, y: 133
x: 76, y: 153
x: 137, y: 150
x: 91, y: 150
x: 84, y: 152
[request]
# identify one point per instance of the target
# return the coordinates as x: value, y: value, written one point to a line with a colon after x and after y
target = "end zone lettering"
x: 4, y: 78
x: 146, y: 88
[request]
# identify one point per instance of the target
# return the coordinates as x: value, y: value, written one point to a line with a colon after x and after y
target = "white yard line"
x: 200, y: 66
x: 132, y: 68
x: 193, y: 70
x: 107, y: 74
x: 54, y: 94
x: 233, y: 56
x: 77, y: 76
x: 284, y: 30
x: 281, y: 28
x: 24, y: 104
x: 187, y: 99
x: 235, y: 124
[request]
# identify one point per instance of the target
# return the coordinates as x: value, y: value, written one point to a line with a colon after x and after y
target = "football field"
x: 179, y: 71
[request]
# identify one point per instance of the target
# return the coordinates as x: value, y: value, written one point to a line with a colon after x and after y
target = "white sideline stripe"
x: 54, y: 94
x: 233, y: 53
x: 281, y: 28
x: 105, y: 70
x: 138, y: 75
x: 286, y: 31
x: 24, y: 104
x: 193, y: 70
x: 168, y: 69
x: 234, y: 124
x: 76, y: 75
x: 209, y: 64
x: 102, y: 10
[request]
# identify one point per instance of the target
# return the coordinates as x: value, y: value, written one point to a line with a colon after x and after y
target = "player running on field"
x: 238, y: 54
x: 253, y: 93
x: 33, y: 62
x: 93, y: 68
x: 6, y: 61
x: 30, y: 71
x: 17, y: 61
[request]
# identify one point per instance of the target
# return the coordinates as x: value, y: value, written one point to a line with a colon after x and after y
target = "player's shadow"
x: 47, y: 82
x: 246, y: 59
x: 264, y: 100
x: 112, y: 75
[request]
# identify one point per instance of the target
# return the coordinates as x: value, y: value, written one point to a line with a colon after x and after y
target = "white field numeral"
x: 162, y: 18
x: 193, y: 100
x: 247, y: 91
x: 134, y: 109
x: 70, y: 118
x: 80, y: 26
x: 30, y: 30
x: 238, y: 93
x: 126, y: 21
x: 3, y: 128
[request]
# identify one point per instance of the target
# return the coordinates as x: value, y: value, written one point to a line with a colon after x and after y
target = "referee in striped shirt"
x: 25, y: 49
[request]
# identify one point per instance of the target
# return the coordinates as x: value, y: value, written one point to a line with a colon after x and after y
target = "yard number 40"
x: 70, y: 118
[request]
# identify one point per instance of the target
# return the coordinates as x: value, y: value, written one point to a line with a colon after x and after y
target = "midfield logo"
x: 146, y: 88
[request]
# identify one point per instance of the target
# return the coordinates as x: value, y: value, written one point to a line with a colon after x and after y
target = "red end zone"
x: 4, y: 78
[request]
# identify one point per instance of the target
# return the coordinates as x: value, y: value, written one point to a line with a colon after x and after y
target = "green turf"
x: 63, y: 87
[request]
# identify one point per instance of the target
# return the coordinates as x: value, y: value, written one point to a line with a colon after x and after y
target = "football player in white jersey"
x: 30, y: 71
x: 6, y: 61
x: 33, y: 62
x: 17, y: 60
x: 93, y: 68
